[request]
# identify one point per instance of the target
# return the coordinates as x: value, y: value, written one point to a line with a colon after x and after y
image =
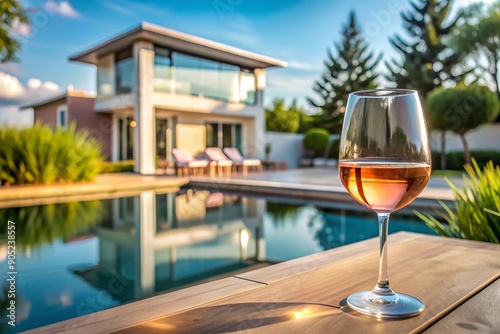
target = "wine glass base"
x: 394, y: 305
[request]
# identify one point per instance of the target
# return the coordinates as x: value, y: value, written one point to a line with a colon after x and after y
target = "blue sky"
x: 297, y: 31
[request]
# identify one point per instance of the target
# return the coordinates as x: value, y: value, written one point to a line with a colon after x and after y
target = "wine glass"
x: 384, y: 163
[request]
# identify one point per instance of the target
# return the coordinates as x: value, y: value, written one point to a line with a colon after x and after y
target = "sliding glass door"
x: 223, y: 135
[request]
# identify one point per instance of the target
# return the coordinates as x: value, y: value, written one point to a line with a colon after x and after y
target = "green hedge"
x: 316, y: 140
x: 117, y: 167
x: 334, y: 149
x: 456, y: 160
x: 43, y: 155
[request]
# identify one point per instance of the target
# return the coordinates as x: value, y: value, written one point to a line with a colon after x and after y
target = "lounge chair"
x: 219, y: 160
x: 185, y: 163
x: 239, y: 161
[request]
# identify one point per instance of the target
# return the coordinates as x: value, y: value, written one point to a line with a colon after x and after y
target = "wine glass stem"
x: 383, y: 286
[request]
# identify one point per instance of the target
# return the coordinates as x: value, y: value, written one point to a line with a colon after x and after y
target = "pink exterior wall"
x: 81, y: 111
x: 47, y: 113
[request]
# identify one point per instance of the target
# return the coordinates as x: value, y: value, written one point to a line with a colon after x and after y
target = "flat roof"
x: 60, y: 95
x: 178, y: 41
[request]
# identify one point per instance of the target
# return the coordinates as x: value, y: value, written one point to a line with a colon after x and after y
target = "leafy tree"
x: 351, y: 69
x: 280, y: 118
x: 11, y: 13
x: 478, y: 42
x: 427, y: 60
x: 461, y: 109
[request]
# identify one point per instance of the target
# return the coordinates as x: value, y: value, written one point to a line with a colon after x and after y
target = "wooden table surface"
x: 459, y: 282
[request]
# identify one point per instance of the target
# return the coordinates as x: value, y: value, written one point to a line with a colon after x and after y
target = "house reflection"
x: 159, y: 242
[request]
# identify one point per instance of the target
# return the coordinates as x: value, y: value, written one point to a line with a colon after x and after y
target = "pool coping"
x: 130, y: 184
x: 104, y: 186
x: 429, y: 198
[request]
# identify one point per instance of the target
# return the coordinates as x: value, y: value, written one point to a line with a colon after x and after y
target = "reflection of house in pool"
x: 141, y: 253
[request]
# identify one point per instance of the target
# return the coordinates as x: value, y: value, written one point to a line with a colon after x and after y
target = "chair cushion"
x: 198, y: 163
x: 251, y: 162
x: 224, y: 163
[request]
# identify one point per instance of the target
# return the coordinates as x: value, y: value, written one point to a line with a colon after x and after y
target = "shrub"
x: 125, y: 166
x: 280, y: 118
x: 461, y: 109
x: 477, y: 204
x: 456, y: 160
x: 42, y: 155
x: 436, y: 158
x: 316, y: 140
x: 334, y: 149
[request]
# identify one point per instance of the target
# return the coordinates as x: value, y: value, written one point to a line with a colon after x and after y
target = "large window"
x: 223, y: 135
x: 124, y: 71
x: 162, y: 71
x: 187, y: 75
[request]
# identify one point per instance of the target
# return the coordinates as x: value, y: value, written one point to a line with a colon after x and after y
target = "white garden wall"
x: 486, y: 137
x: 286, y: 147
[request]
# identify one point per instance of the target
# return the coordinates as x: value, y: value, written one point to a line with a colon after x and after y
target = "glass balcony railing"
x: 204, y: 78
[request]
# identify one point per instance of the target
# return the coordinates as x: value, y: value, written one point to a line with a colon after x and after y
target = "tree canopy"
x: 427, y: 61
x: 280, y: 118
x: 461, y: 109
x: 477, y: 41
x: 11, y: 14
x: 352, y: 68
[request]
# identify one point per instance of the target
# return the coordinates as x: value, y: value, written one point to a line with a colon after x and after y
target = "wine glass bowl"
x: 384, y: 163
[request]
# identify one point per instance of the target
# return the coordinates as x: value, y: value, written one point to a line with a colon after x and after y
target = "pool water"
x: 77, y: 258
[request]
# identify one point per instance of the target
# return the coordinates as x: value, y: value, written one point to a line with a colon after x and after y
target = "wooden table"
x: 457, y: 280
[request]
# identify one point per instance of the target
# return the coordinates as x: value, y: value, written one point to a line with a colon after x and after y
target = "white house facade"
x: 166, y: 89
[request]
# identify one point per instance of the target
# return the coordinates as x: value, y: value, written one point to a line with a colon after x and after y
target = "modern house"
x: 163, y: 89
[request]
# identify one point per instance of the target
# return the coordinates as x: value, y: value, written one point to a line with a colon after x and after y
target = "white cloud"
x: 62, y: 8
x: 120, y: 9
x: 22, y: 29
x: 10, y: 87
x: 291, y: 81
x: 51, y: 86
x: 13, y: 94
x: 11, y: 115
x: 299, y: 65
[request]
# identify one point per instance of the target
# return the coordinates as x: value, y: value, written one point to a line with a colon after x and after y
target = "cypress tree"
x: 352, y: 68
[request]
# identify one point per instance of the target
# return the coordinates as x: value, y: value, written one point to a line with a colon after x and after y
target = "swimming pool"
x: 82, y: 257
